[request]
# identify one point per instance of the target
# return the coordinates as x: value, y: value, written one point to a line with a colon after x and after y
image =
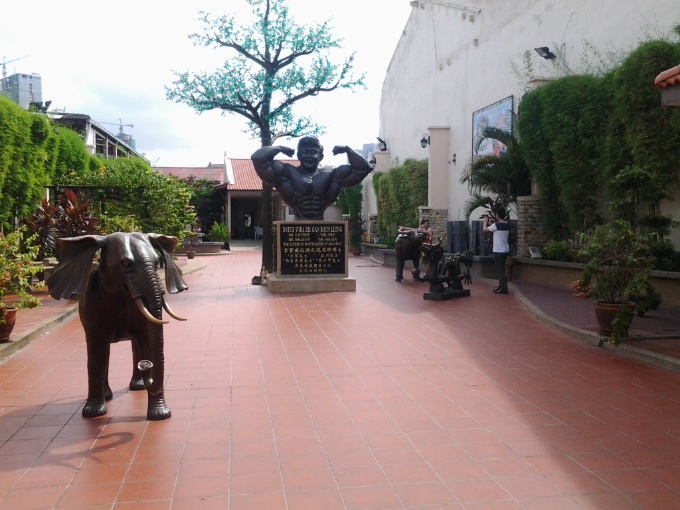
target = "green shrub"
x: 563, y: 251
x: 218, y: 233
x: 399, y: 193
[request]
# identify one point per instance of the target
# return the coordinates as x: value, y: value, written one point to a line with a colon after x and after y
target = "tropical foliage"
x: 399, y: 193
x: 68, y: 155
x: 497, y: 180
x: 42, y: 224
x: 598, y: 146
x: 207, y: 204
x: 33, y: 154
x: 17, y: 268
x: 349, y: 201
x: 127, y: 189
x: 218, y: 233
x: 618, y: 264
x: 273, y: 64
x: 23, y: 152
x: 73, y: 217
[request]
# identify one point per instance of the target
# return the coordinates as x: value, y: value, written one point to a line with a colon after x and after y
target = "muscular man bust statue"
x: 307, y: 189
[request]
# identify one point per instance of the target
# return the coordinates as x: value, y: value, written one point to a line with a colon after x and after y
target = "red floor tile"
x: 370, y: 399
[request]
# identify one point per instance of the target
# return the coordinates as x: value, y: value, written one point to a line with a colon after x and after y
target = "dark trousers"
x: 499, y: 260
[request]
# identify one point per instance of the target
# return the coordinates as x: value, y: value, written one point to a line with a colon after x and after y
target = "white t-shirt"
x: 501, y: 233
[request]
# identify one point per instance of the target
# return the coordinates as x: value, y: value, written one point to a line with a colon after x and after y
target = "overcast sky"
x: 112, y: 60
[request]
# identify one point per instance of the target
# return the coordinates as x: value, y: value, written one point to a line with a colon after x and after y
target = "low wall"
x: 562, y: 274
x: 483, y: 267
x: 374, y: 249
x: 206, y: 247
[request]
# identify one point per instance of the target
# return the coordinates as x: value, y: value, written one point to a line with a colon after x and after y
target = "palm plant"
x: 496, y: 180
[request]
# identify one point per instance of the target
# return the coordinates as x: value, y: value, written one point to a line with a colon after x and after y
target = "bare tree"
x: 273, y: 63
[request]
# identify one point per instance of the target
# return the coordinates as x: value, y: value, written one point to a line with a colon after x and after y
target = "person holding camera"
x: 500, y: 230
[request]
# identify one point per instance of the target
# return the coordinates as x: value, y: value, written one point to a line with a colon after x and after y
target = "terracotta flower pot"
x: 6, y: 327
x: 605, y: 313
x: 191, y: 254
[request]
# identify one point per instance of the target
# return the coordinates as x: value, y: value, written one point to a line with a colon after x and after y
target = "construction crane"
x: 119, y: 124
x: 5, y: 62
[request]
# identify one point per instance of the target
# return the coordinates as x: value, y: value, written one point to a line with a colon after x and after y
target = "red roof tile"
x: 245, y: 177
x: 669, y: 77
x: 213, y: 173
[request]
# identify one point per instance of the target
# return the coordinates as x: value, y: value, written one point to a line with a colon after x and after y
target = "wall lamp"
x: 425, y: 141
x: 382, y: 144
x: 545, y: 52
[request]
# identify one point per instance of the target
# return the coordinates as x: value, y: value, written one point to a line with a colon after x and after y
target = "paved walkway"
x: 371, y: 399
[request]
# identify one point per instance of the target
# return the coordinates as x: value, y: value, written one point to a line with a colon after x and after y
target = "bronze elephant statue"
x: 120, y: 298
x: 407, y: 247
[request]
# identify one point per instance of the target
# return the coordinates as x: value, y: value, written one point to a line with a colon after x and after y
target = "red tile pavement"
x: 367, y: 399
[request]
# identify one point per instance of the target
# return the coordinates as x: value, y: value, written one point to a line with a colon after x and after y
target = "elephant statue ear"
x: 75, y: 262
x: 173, y: 274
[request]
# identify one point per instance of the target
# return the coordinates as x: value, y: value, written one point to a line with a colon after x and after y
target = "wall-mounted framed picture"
x: 498, y: 115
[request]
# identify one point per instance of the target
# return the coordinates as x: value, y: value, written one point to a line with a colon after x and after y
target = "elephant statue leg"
x: 400, y: 270
x: 108, y: 392
x: 97, y: 378
x: 157, y: 408
x: 137, y: 379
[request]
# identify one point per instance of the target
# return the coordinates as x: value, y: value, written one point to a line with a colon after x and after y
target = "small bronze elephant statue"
x: 120, y: 298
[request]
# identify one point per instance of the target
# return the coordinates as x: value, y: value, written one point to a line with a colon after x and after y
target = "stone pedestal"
x: 278, y: 285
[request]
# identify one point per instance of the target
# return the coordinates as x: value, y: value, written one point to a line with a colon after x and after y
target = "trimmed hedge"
x: 589, y: 140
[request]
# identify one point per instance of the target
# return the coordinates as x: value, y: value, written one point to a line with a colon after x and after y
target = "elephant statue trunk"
x: 147, y: 293
x: 121, y: 298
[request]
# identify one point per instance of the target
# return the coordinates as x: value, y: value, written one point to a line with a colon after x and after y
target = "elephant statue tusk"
x: 146, y: 313
x: 171, y: 313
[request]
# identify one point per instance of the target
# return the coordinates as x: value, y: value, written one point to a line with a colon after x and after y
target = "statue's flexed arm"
x: 270, y: 170
x: 353, y: 173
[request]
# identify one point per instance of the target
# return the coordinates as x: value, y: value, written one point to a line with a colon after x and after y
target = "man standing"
x: 501, y: 247
x: 307, y: 189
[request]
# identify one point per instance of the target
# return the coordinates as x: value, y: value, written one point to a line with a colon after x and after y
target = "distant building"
x: 241, y: 189
x: 23, y: 89
x: 99, y: 141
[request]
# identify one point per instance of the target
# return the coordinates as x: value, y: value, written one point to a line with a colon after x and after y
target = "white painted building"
x: 455, y: 59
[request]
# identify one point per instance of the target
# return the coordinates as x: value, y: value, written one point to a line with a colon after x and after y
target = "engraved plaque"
x: 312, y: 248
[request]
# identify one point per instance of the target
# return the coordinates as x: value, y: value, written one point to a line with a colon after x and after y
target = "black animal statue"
x: 120, y: 298
x: 444, y: 274
x: 407, y: 247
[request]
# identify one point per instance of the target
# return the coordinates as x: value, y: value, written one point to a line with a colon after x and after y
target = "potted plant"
x: 190, y: 241
x: 17, y: 268
x: 218, y: 233
x: 616, y: 274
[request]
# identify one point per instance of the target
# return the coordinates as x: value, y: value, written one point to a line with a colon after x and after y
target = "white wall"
x: 452, y: 61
